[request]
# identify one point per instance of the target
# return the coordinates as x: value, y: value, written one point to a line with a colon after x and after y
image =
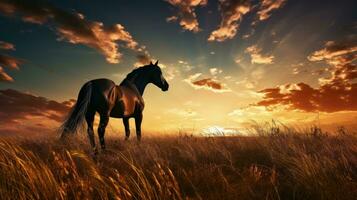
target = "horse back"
x: 101, y: 97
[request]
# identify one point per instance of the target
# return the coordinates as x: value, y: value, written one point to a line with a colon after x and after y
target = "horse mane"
x: 132, y: 75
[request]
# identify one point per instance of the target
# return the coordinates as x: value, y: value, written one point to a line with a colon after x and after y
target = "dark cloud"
x: 338, y: 92
x: 16, y: 106
x: 186, y: 13
x: 142, y: 59
x: 73, y: 27
x: 206, y: 83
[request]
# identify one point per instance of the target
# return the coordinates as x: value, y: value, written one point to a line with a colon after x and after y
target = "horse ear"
x: 151, y: 63
x: 157, y: 62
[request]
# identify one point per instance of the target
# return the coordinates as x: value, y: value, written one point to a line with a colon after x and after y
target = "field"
x: 274, y: 164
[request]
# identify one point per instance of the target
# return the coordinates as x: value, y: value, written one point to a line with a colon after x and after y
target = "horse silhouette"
x: 111, y: 100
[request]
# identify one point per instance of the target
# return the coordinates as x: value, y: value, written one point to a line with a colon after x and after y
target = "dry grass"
x: 275, y: 165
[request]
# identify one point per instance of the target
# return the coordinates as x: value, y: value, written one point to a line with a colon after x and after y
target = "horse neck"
x: 141, y: 85
x: 140, y: 82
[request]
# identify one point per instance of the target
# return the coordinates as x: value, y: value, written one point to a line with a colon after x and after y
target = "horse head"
x: 157, y: 78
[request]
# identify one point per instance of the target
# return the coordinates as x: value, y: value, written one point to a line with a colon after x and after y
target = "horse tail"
x: 76, y: 117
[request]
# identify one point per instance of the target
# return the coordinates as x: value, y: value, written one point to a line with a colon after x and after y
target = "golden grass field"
x: 272, y: 165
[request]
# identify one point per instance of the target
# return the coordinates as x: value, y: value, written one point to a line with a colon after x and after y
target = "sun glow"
x: 222, y: 131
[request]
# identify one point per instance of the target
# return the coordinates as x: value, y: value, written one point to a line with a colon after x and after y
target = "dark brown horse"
x: 110, y: 100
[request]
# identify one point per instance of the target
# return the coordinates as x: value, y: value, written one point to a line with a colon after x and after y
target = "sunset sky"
x: 228, y: 62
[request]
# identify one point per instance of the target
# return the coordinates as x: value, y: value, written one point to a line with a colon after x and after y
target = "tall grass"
x: 278, y: 164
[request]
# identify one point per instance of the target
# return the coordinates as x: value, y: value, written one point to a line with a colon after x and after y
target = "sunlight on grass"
x: 278, y: 164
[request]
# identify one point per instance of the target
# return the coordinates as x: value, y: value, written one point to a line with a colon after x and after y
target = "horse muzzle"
x: 165, y: 87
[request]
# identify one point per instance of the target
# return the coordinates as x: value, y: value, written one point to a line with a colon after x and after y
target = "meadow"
x: 272, y: 164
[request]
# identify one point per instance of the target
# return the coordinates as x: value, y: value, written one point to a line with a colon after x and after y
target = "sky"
x: 229, y: 63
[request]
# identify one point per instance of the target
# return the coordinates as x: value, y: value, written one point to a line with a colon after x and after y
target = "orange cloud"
x: 186, y: 13
x: 232, y: 12
x: 206, y: 83
x: 6, y: 46
x: 340, y: 56
x: 268, y: 6
x: 73, y: 27
x: 257, y: 57
x: 4, y: 76
x: 334, y: 50
x: 335, y: 93
x: 327, y: 98
x: 7, y: 61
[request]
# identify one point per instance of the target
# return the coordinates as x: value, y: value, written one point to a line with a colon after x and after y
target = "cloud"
x: 206, y: 83
x: 209, y: 83
x: 16, y: 105
x: 232, y: 12
x: 142, y: 59
x: 170, y: 72
x: 6, y: 46
x: 24, y: 112
x: 327, y: 98
x: 215, y: 71
x: 7, y: 61
x: 341, y: 56
x: 185, y: 65
x: 252, y: 78
x: 182, y: 62
x: 334, y: 50
x: 267, y: 7
x: 186, y: 13
x: 338, y: 92
x: 73, y: 27
x: 257, y: 57
x: 172, y: 19
x: 4, y: 77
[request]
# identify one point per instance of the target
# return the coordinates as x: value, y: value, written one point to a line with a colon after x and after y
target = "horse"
x: 110, y: 100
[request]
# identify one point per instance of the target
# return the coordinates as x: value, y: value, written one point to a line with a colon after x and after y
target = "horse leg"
x: 104, y: 119
x: 126, y: 126
x: 138, y: 120
x: 90, y: 119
